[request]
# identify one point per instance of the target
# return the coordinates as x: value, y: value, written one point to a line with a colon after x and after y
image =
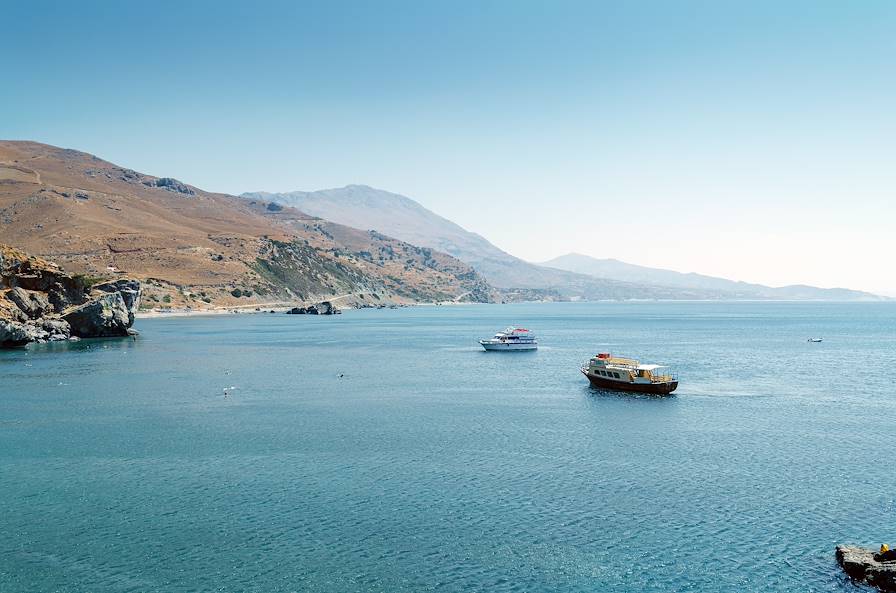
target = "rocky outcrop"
x: 32, y: 303
x: 322, y: 308
x: 171, y: 184
x: 865, y: 565
x: 40, y: 303
x: 13, y: 334
x: 100, y: 317
x: 129, y: 289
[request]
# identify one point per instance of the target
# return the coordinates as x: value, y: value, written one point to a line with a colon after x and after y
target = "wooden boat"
x: 626, y: 374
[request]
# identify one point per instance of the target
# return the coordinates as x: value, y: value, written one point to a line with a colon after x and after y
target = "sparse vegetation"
x: 88, y: 281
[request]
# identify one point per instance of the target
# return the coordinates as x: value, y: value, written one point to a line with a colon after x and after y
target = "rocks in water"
x: 104, y: 316
x: 40, y: 303
x: 130, y: 291
x: 13, y: 334
x: 57, y: 329
x: 322, y: 308
x: 862, y: 564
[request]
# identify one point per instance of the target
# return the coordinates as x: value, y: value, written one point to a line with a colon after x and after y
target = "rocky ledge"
x: 39, y: 303
x: 323, y: 308
x: 862, y: 564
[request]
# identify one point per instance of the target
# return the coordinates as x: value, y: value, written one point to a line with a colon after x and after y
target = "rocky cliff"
x: 39, y: 302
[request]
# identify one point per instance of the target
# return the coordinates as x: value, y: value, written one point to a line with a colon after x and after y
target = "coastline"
x: 266, y: 308
x: 154, y: 313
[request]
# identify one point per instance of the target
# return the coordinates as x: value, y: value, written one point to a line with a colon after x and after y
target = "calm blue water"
x: 434, y: 466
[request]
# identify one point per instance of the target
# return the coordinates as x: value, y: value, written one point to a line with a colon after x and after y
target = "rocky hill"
x: 200, y: 249
x: 39, y: 302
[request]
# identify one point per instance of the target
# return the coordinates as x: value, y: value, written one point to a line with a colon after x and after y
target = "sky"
x: 749, y: 140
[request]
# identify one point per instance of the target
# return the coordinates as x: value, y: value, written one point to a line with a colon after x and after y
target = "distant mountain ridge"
x: 368, y: 208
x: 622, y: 271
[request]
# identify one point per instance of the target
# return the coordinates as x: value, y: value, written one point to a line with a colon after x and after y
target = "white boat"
x: 511, y: 338
x: 816, y: 340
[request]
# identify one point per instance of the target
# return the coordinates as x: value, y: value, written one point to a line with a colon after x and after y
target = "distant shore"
x: 151, y: 313
x: 282, y: 308
x: 267, y: 308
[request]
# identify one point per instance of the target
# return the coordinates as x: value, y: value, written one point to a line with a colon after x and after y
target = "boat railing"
x: 664, y: 378
x: 622, y: 362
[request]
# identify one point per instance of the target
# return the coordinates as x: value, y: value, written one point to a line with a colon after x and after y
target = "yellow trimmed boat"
x: 626, y: 374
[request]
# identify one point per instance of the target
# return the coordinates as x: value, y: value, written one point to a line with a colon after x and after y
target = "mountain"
x: 571, y: 276
x: 622, y: 271
x: 196, y: 248
x: 364, y: 207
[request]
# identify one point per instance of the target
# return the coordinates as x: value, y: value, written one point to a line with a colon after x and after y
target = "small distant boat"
x: 816, y: 340
x: 511, y: 338
x: 626, y: 374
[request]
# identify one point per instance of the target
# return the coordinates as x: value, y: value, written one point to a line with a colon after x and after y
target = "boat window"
x: 616, y: 375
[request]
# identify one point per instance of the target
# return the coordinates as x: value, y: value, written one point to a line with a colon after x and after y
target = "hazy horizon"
x: 746, y: 142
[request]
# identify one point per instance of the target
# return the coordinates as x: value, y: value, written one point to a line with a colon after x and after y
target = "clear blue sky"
x: 752, y: 140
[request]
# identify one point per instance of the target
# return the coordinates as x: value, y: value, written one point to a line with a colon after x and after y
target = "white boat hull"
x: 488, y: 345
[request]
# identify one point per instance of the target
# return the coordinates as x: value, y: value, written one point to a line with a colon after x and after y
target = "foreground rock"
x: 129, y: 290
x: 40, y: 303
x: 100, y: 317
x: 861, y: 565
x: 323, y: 308
x: 13, y: 334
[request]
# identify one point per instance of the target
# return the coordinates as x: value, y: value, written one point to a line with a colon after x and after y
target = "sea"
x: 385, y: 451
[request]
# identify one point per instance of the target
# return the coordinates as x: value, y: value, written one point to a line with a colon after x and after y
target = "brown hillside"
x: 199, y: 248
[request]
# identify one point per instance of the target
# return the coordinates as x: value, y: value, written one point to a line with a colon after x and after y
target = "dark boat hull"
x: 651, y: 388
